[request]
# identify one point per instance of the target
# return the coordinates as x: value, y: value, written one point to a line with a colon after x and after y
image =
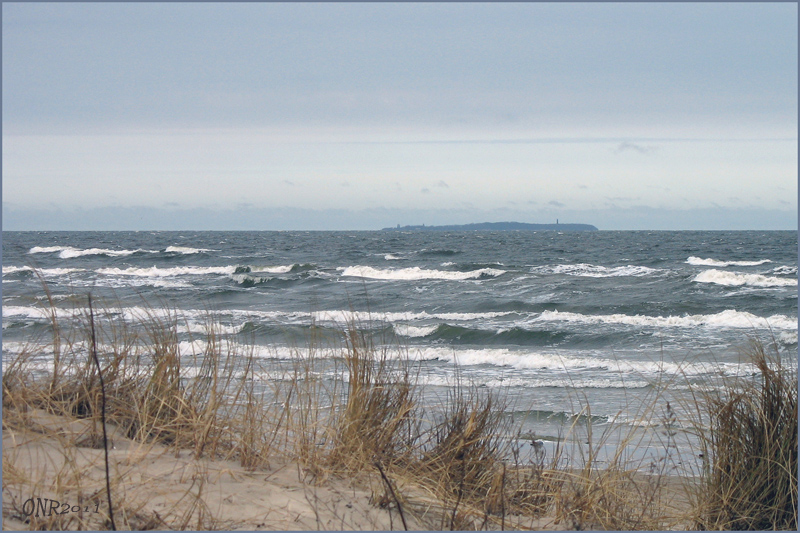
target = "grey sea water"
x: 553, y: 321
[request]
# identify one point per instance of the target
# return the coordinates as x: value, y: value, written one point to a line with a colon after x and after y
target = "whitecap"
x: 43, y: 271
x: 14, y: 269
x: 715, y: 262
x: 596, y: 271
x: 203, y: 328
x: 38, y: 312
x: 536, y: 383
x: 47, y: 249
x: 166, y: 272
x: 68, y: 252
x: 417, y: 273
x: 280, y: 269
x: 733, y: 279
x: 346, y: 316
x: 729, y: 318
x: 785, y: 270
x: 521, y: 360
x: 405, y: 330
x: 186, y: 250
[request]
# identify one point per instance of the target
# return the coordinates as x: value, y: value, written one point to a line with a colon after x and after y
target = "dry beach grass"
x: 217, y: 440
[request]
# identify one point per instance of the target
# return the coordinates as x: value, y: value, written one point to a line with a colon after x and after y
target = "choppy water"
x: 551, y: 319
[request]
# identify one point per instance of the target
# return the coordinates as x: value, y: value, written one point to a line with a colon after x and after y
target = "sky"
x: 353, y: 116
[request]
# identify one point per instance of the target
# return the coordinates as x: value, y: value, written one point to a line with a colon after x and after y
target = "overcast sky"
x: 360, y: 116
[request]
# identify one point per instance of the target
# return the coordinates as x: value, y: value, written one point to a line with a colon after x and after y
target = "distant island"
x: 498, y: 226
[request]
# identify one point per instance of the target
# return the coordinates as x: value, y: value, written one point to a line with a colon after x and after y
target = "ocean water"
x: 554, y: 322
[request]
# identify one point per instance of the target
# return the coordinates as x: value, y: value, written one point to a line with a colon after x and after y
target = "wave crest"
x: 417, y: 273
x: 155, y: 272
x: 715, y: 262
x: 733, y: 279
x: 596, y: 271
x: 729, y: 318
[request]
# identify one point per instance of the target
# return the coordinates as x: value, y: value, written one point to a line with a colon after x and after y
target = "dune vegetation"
x: 108, y: 416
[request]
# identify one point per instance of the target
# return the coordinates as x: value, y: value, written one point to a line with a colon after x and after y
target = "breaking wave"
x: 155, y: 272
x: 595, y: 271
x: 417, y: 273
x: 717, y: 263
x: 726, y: 319
x: 785, y: 270
x: 186, y: 250
x: 68, y: 252
x: 732, y: 279
x: 44, y: 271
x: 523, y: 360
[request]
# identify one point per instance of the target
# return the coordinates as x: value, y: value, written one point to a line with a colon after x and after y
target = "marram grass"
x: 366, y: 420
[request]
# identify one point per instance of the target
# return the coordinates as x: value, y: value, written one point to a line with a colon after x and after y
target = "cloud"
x: 289, y: 183
x: 426, y: 190
x: 555, y: 203
x: 627, y: 146
x: 622, y: 198
x: 442, y: 184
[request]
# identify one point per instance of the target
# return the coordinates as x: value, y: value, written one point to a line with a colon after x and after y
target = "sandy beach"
x: 153, y: 487
x: 49, y: 458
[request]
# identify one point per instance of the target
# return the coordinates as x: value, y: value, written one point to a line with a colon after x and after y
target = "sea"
x: 583, y: 334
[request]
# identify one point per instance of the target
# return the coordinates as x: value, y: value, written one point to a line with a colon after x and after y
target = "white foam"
x: 186, y: 250
x: 44, y: 271
x: 73, y: 252
x: 60, y: 271
x: 729, y: 318
x: 120, y: 283
x: 47, y: 249
x: 733, y: 279
x: 785, y: 270
x: 521, y: 360
x: 37, y: 312
x: 596, y: 271
x: 280, y: 269
x: 405, y: 330
x: 68, y: 252
x: 13, y: 269
x: 391, y: 257
x: 203, y: 328
x: 715, y: 262
x: 417, y: 273
x: 616, y: 372
x: 343, y: 316
x: 537, y: 383
x: 155, y: 272
x: 198, y: 347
